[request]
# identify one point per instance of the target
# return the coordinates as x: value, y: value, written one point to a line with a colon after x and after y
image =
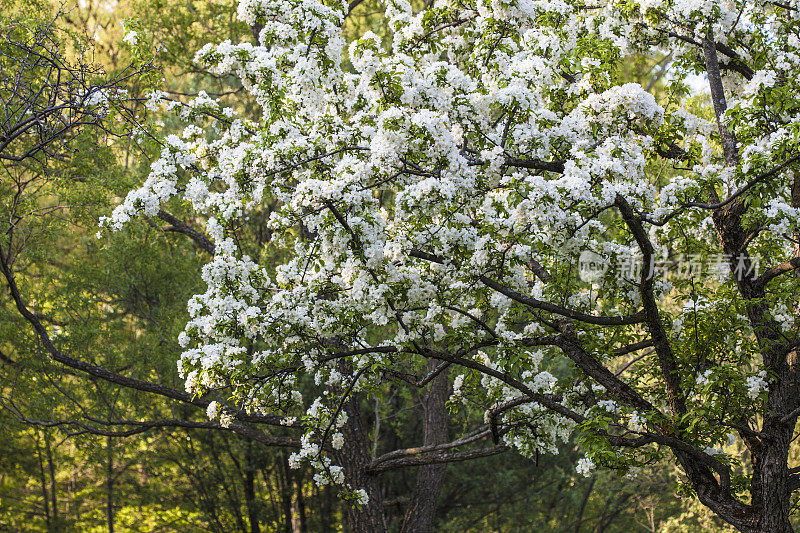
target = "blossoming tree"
x: 436, y: 187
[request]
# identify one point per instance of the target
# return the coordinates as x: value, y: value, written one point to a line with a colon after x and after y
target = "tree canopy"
x: 489, y: 209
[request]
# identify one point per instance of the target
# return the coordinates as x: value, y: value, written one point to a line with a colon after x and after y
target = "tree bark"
x: 421, y: 512
x: 354, y: 458
x: 773, y: 473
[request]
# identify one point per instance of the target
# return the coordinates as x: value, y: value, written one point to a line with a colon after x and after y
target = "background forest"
x: 67, y: 464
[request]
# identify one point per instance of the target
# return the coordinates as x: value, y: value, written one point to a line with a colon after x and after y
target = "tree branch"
x: 180, y: 226
x: 112, y: 377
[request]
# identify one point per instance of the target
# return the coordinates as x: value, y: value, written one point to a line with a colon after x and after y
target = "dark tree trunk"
x: 353, y: 458
x: 327, y: 515
x: 771, y: 468
x: 230, y: 486
x: 286, y: 491
x: 51, y: 467
x: 109, y: 485
x: 584, y: 502
x: 421, y: 512
x: 770, y: 482
x: 250, y: 488
x: 302, y: 520
x: 45, y: 496
x: 774, y: 476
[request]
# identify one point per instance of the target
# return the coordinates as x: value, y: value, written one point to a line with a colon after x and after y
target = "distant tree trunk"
x: 582, y: 509
x: 421, y: 512
x: 207, y: 497
x: 250, y: 488
x: 286, y: 491
x: 43, y: 480
x: 109, y: 485
x: 608, y: 516
x: 326, y: 516
x: 354, y: 457
x: 52, y: 470
x: 230, y: 488
x: 302, y: 523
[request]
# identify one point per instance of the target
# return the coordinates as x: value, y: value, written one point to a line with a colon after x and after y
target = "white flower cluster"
x: 756, y: 384
x: 585, y: 467
x: 131, y: 37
